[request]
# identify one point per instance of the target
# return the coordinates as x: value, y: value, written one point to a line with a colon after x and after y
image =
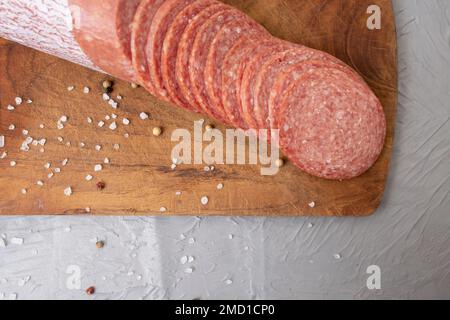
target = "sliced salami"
x: 278, y: 64
x: 140, y: 29
x: 161, y: 23
x: 185, y: 50
x: 233, y: 68
x: 332, y: 125
x: 252, y: 66
x: 222, y: 43
x: 198, y: 59
x: 102, y: 28
x: 170, y: 50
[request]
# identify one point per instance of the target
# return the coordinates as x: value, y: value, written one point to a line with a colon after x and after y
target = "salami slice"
x: 332, y: 125
x: 198, y: 59
x: 102, y: 28
x: 252, y: 66
x: 222, y: 43
x: 185, y: 50
x: 161, y: 23
x: 233, y: 69
x: 278, y: 64
x: 170, y: 50
x: 140, y: 29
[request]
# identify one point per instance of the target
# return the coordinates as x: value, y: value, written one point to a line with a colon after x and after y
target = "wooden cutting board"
x: 139, y: 179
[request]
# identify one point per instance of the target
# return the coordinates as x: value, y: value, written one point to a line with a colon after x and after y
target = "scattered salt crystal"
x: 42, y: 142
x: 2, y: 141
x: 11, y: 127
x: 98, y: 147
x: 70, y: 88
x: 107, y: 117
x: 310, y: 225
x: 119, y: 97
x: 220, y: 186
x: 41, y: 126
x: 337, y: 256
x: 13, y: 163
x: 87, y: 209
x: 89, y: 177
x: 106, y: 161
x: 29, y: 101
x: 10, y: 108
x: 112, y: 103
x: 191, y: 259
x: 41, y: 150
x: 173, y: 166
x: 57, y: 170
x: 178, y: 193
x: 68, y: 229
x: 113, y: 116
x: 125, y: 121
x: 228, y: 282
x: 2, y: 243
x: 24, y: 191
x: 230, y: 236
x: 63, y: 119
x: 113, y: 126
x: 163, y: 209
x: 191, y: 240
x: 35, y: 143
x: 47, y: 165
x: 89, y: 120
x: 60, y: 139
x: 101, y: 124
x: 3, y: 155
x: 98, y: 167
x: 12, y: 296
x: 116, y: 146
x: 68, y: 191
x: 204, y: 200
x: 68, y: 143
x: 40, y: 183
x: 64, y: 162
x: 189, y: 270
x: 182, y: 236
x: 143, y: 116
x: 59, y: 126
x: 82, y: 144
x: 184, y: 260
x: 17, y: 241
x: 126, y: 135
x: 106, y: 97
x: 86, y: 90
x: 50, y: 175
x: 206, y: 169
x: 18, y: 101
x: 312, y: 204
x: 25, y: 132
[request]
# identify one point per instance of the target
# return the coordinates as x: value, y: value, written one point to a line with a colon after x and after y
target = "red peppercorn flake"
x: 90, y: 291
x: 101, y: 185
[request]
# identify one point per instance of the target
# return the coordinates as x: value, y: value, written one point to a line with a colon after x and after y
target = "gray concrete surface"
x: 291, y: 258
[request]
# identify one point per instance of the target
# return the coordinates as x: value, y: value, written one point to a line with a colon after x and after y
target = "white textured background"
x: 409, y: 237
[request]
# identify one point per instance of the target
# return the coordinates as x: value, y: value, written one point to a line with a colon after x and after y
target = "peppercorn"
x: 101, y: 185
x: 100, y: 244
x: 90, y: 291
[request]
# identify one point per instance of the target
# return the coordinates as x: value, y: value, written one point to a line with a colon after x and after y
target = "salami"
x: 184, y: 53
x: 161, y: 23
x: 102, y: 28
x: 140, y: 29
x: 278, y: 64
x: 232, y: 69
x: 222, y: 43
x: 198, y: 58
x: 332, y: 126
x: 170, y: 50
x: 252, y: 66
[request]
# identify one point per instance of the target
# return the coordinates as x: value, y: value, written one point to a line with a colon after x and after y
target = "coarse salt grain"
x: 63, y: 119
x: 204, y: 200
x: 116, y: 146
x: 98, y: 147
x: 50, y: 175
x: 113, y: 126
x: 11, y: 127
x: 106, y: 161
x: 18, y: 101
x: 112, y: 103
x: 125, y: 121
x: 98, y: 167
x: 113, y: 116
x: 41, y: 126
x: 178, y: 193
x: 89, y: 120
x: 312, y: 204
x: 189, y: 270
x: 24, y: 191
x: 64, y: 162
x: 82, y: 145
x: 184, y: 260
x: 68, y: 191
x: 89, y: 177
x: 57, y: 170
x: 25, y: 132
x: 101, y: 124
x: 163, y: 209
x: 228, y: 282
x: 70, y: 88
x: 47, y: 165
x: 29, y: 101
x: 3, y: 155
x: 13, y: 163
x: 17, y: 241
x: 42, y: 142
x: 10, y: 108
x: 220, y: 186
x: 86, y: 90
x: 107, y: 117
x: 59, y: 126
x: 2, y: 141
x: 40, y: 183
x: 60, y: 139
x: 106, y: 97
x: 143, y: 116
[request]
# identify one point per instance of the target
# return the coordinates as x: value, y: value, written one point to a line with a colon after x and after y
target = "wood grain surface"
x: 139, y: 180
